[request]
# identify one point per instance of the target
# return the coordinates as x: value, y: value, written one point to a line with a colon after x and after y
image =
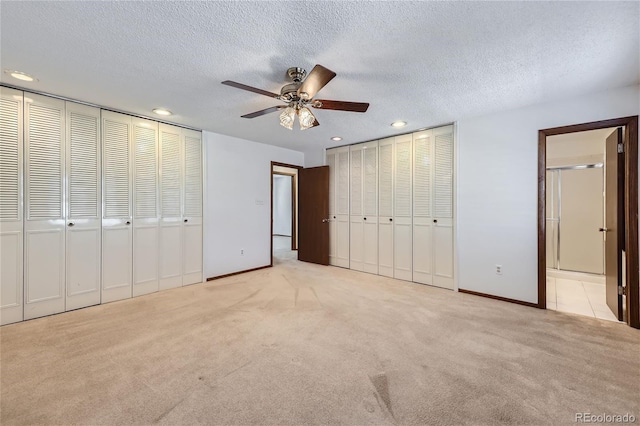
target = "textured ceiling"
x: 427, y: 63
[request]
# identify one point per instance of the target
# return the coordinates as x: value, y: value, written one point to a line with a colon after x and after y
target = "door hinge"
x: 622, y: 291
x: 620, y: 148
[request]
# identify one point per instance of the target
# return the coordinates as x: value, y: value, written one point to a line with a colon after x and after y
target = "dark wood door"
x: 313, y: 214
x: 614, y: 222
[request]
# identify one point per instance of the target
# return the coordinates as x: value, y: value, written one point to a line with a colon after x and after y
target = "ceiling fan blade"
x: 264, y: 111
x: 316, y: 80
x: 340, y: 105
x: 250, y: 89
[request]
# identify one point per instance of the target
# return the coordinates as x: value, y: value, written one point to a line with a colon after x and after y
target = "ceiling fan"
x: 299, y: 96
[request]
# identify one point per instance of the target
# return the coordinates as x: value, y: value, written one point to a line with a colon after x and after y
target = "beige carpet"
x: 306, y: 344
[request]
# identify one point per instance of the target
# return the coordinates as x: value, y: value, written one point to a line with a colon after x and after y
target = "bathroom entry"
x: 577, y: 226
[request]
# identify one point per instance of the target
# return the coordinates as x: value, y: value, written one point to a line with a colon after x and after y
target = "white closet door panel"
x: 192, y: 243
x: 370, y: 179
x: 422, y: 174
x: 192, y: 174
x: 422, y: 250
x: 443, y: 174
x: 170, y: 255
x: 117, y: 262
x: 355, y: 186
x: 10, y: 276
x: 385, y: 246
x: 83, y: 267
x: 402, y: 176
x: 146, y: 233
x: 333, y: 244
x: 44, y: 194
x: 370, y: 244
x: 331, y: 162
x: 170, y: 172
x: 146, y: 256
x: 83, y: 206
x: 44, y: 273
x: 443, y: 253
x: 342, y: 187
x: 117, y: 232
x: 11, y: 223
x: 356, y: 246
x: 385, y: 178
x: 402, y: 248
x: 342, y: 249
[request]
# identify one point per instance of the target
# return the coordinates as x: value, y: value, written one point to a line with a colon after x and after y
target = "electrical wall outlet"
x: 498, y: 269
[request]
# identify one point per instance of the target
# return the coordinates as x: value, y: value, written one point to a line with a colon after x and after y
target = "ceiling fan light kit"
x: 299, y: 96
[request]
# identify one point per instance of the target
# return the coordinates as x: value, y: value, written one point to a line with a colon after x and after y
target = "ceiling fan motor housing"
x: 290, y: 91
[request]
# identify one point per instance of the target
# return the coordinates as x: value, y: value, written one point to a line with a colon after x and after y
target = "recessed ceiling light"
x: 336, y: 138
x: 162, y: 111
x: 398, y: 124
x: 20, y: 75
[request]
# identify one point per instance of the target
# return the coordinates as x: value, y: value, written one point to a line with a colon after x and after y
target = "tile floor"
x: 578, y: 297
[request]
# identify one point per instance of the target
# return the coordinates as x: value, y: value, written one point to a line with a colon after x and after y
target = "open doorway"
x: 588, y: 224
x: 284, y: 211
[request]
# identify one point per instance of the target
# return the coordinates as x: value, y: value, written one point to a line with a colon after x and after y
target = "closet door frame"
x: 83, y: 262
x: 12, y: 229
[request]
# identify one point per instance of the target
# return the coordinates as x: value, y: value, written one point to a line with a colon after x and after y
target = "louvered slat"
x: 83, y: 173
x: 170, y: 180
x: 422, y: 177
x: 44, y: 162
x: 9, y: 160
x: 370, y: 177
x: 356, y: 182
x: 403, y: 179
x: 116, y: 169
x: 145, y: 172
x: 193, y: 177
x: 443, y: 185
x: 386, y: 180
x: 331, y: 162
x: 343, y: 182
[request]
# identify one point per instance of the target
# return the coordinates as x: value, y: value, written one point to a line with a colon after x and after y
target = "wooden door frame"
x: 294, y: 201
x: 630, y: 206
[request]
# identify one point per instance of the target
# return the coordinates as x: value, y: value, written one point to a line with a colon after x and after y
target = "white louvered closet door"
x: 146, y: 234
x: 192, y: 208
x: 342, y: 207
x: 422, y: 216
x: 11, y: 224
x: 443, y: 185
x: 402, y: 232
x: 83, y: 235
x: 117, y: 233
x: 385, y: 207
x: 370, y: 207
x: 331, y: 162
x: 170, y: 207
x: 44, y: 198
x: 356, y: 227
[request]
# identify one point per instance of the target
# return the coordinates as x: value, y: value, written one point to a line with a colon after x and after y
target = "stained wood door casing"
x: 385, y: 207
x: 614, y: 217
x: 313, y: 205
x: 11, y: 206
x: 117, y: 185
x: 146, y: 233
x: 84, y: 206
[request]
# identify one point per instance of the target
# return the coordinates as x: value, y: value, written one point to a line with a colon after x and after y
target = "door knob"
x: 128, y: 222
x: 71, y: 224
x: 334, y: 217
x: 435, y: 220
x: 390, y: 220
x: 325, y: 220
x: 186, y: 220
x: 365, y: 218
x: 603, y: 229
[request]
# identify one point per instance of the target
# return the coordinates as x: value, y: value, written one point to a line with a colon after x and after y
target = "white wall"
x: 314, y: 157
x: 282, y: 205
x: 497, y: 188
x: 237, y: 210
